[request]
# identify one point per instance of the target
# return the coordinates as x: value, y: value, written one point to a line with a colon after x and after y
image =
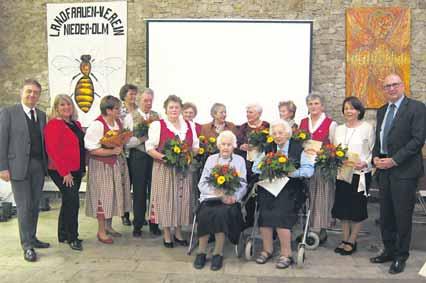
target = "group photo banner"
x: 87, y: 45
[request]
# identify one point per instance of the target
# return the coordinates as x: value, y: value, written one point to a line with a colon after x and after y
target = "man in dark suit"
x: 140, y: 163
x: 400, y: 134
x: 23, y: 162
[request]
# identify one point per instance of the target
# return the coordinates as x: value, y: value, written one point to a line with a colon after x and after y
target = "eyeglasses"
x: 390, y: 86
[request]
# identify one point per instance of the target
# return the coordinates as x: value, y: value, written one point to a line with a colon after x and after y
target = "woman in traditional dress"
x: 280, y: 213
x: 322, y: 190
x: 220, y: 214
x: 108, y: 186
x: 350, y: 202
x: 171, y: 190
x: 189, y: 112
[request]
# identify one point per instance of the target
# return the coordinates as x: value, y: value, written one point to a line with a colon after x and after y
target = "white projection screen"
x: 234, y: 62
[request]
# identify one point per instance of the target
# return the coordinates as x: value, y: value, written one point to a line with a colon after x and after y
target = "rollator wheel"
x: 239, y: 248
x: 312, y: 241
x: 249, y: 250
x: 300, y: 256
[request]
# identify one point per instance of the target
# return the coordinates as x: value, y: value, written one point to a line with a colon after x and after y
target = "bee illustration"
x: 84, y: 91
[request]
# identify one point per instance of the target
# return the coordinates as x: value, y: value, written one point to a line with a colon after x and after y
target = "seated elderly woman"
x: 280, y: 212
x: 220, y: 214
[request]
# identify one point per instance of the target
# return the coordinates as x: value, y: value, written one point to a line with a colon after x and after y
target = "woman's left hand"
x: 244, y: 147
x: 229, y: 199
x: 360, y: 165
x: 68, y: 180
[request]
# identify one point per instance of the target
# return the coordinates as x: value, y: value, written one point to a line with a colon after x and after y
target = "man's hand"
x: 5, y: 175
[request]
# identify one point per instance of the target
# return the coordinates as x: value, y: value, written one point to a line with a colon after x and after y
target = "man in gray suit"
x: 23, y: 161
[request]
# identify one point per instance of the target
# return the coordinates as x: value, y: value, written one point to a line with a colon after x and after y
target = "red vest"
x: 321, y: 134
x: 166, y: 134
x: 112, y: 158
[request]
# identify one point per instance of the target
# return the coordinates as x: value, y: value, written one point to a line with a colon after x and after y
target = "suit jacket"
x: 405, y: 138
x: 15, y: 143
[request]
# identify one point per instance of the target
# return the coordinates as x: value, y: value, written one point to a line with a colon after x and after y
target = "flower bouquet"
x: 141, y: 128
x: 329, y: 159
x: 275, y: 165
x: 207, y: 148
x: 301, y: 135
x: 177, y: 154
x: 260, y: 139
x: 224, y: 178
x: 114, y: 138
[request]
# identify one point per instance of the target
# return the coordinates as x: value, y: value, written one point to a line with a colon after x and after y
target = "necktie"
x: 32, y: 115
x: 388, y: 124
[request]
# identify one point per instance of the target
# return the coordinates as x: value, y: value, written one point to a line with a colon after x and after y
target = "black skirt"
x: 281, y: 211
x: 214, y: 217
x: 349, y: 204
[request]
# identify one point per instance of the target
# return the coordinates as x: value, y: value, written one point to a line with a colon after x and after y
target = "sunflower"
x: 269, y: 139
x: 176, y: 149
x: 201, y: 151
x: 302, y: 136
x: 340, y: 153
x: 212, y: 139
x: 282, y: 159
x: 220, y: 180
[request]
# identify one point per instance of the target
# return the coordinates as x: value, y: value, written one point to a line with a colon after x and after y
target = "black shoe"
x: 168, y: 245
x: 154, y: 230
x: 40, y: 245
x: 126, y: 221
x: 397, y: 266
x: 30, y: 255
x: 137, y: 233
x: 351, y: 251
x: 338, y: 249
x: 200, y: 261
x: 76, y: 245
x: 382, y: 258
x: 181, y: 242
x: 217, y: 261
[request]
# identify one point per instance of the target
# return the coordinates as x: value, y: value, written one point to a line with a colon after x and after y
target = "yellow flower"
x: 212, y: 139
x: 176, y: 149
x: 265, y: 131
x: 220, y: 180
x: 260, y: 165
x: 340, y: 153
x: 269, y: 139
x: 202, y: 138
x: 201, y: 151
x: 282, y: 159
x: 302, y: 136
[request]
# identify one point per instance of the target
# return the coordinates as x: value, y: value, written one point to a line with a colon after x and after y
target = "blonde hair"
x: 58, y: 99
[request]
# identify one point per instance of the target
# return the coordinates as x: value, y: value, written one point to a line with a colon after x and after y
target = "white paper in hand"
x: 275, y: 186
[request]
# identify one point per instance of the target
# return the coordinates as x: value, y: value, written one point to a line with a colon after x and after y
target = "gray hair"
x: 283, y: 124
x: 256, y: 107
x: 312, y: 96
x: 214, y: 108
x: 227, y: 134
x: 149, y: 91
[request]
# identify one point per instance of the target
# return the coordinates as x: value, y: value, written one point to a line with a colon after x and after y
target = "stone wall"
x: 23, y: 41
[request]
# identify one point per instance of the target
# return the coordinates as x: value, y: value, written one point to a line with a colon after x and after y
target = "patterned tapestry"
x: 377, y: 44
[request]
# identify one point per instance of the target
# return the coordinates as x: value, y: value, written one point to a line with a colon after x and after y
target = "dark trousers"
x: 140, y: 172
x: 27, y: 195
x: 397, y: 200
x: 127, y: 214
x: 68, y: 215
